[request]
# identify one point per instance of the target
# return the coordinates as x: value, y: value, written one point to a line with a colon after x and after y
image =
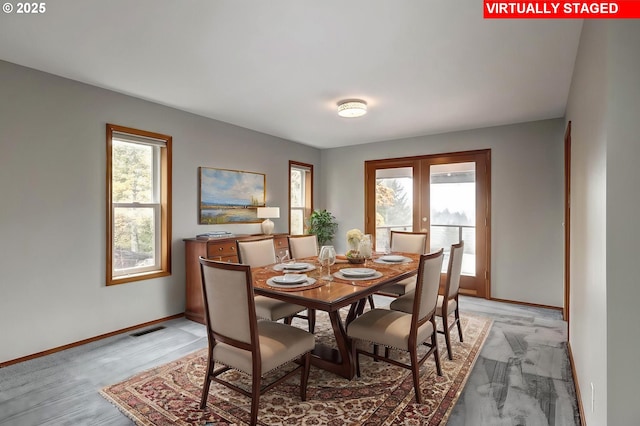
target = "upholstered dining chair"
x: 407, y: 242
x: 261, y: 252
x: 301, y: 246
x: 238, y: 340
x: 448, y: 302
x: 401, y: 330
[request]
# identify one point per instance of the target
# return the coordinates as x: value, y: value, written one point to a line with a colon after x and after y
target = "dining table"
x: 341, y: 291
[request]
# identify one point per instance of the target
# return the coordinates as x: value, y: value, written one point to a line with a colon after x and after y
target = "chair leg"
x: 207, y: 383
x: 311, y: 313
x: 288, y: 320
x: 255, y: 398
x: 304, y: 375
x: 415, y: 371
x: 459, y: 326
x: 436, y: 351
x: 387, y: 352
x: 447, y: 334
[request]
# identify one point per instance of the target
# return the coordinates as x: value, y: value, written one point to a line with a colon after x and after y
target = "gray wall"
x: 588, y: 300
x: 527, y: 199
x: 623, y: 230
x: 52, y: 214
x: 603, y: 106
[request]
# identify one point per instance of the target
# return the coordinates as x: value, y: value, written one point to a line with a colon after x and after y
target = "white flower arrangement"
x: 354, y: 236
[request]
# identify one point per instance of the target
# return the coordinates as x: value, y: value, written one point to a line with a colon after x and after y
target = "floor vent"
x: 147, y: 331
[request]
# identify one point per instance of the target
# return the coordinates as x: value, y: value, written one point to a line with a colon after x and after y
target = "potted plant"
x: 323, y: 225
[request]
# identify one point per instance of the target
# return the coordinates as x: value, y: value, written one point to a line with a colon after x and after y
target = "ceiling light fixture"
x: 352, y: 108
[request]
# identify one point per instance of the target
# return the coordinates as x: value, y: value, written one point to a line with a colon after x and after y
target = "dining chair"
x: 407, y: 242
x: 302, y: 246
x: 401, y: 330
x: 448, y: 302
x: 238, y: 340
x: 261, y: 252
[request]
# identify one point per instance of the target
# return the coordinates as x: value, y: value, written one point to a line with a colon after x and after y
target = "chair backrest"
x: 426, y: 292
x: 229, y: 305
x: 452, y: 284
x: 409, y: 242
x: 256, y: 253
x: 303, y: 246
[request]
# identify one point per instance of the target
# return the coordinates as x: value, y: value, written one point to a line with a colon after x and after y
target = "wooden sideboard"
x: 223, y: 249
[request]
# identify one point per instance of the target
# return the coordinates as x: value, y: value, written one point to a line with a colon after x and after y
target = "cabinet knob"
x: 232, y: 248
x: 219, y: 248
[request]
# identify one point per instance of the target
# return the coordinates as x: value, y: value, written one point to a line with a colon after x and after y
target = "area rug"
x: 383, y: 395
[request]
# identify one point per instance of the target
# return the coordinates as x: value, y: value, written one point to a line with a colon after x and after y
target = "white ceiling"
x: 281, y: 66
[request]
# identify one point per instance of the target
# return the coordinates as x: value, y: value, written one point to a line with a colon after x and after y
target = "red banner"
x: 625, y: 9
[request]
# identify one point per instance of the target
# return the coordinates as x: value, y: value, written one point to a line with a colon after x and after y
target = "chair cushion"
x: 403, y: 303
x: 450, y: 307
x: 274, y: 309
x: 388, y: 328
x: 401, y: 287
x: 279, y: 344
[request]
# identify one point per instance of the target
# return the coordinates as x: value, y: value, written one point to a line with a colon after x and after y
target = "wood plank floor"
x: 522, y: 376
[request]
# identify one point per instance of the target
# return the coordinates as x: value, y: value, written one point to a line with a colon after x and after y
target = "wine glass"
x: 327, y: 257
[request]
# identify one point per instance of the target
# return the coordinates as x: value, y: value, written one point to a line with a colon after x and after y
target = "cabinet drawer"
x: 281, y: 244
x: 222, y: 248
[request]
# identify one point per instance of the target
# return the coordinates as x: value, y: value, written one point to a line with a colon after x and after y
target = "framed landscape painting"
x: 230, y: 196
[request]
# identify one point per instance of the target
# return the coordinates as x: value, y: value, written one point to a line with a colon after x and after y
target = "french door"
x: 447, y: 195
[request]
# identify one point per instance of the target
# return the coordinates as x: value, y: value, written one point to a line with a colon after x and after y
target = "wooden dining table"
x: 331, y: 296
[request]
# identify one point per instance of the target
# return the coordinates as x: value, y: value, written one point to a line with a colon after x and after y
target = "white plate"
x: 376, y: 275
x: 294, y: 266
x: 393, y: 258
x: 281, y: 267
x: 307, y: 283
x: 290, y: 279
x: 357, y: 272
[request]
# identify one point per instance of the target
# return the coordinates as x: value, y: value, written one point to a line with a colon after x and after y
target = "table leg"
x: 337, y: 361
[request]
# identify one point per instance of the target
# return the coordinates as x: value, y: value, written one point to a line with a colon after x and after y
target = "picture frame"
x: 230, y: 196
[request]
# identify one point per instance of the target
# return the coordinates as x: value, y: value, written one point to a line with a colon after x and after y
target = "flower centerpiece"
x: 354, y: 236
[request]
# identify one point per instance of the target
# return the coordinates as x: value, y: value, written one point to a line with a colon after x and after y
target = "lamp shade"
x: 268, y: 212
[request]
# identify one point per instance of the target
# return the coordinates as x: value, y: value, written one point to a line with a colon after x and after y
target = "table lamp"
x: 268, y: 213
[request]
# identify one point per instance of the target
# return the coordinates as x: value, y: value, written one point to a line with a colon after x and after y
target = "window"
x: 300, y: 196
x: 138, y: 205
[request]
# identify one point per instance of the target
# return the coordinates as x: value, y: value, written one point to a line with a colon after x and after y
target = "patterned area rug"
x: 383, y: 395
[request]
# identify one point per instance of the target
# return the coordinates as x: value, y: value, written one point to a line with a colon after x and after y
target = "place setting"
x: 293, y: 267
x: 389, y: 259
x: 355, y: 274
x: 294, y: 281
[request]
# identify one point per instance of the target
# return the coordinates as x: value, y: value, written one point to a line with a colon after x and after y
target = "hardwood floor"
x: 519, y: 378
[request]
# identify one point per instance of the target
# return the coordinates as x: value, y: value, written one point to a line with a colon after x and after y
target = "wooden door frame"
x: 416, y: 161
x: 567, y: 223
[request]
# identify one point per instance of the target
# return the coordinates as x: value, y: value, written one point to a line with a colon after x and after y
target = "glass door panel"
x: 448, y: 195
x: 453, y: 211
x: 393, y: 203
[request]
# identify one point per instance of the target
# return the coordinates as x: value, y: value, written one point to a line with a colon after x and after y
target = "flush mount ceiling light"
x: 352, y: 108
